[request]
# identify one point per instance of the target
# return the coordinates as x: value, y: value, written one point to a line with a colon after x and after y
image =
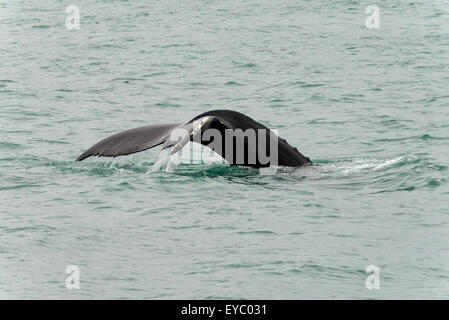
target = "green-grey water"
x: 368, y: 106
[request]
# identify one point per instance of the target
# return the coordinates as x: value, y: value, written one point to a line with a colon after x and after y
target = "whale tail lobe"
x: 130, y: 141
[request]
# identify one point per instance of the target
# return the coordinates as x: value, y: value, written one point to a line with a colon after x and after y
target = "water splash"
x: 162, y: 162
x: 364, y: 164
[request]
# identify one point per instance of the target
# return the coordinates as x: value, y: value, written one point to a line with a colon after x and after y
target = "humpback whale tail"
x: 233, y: 135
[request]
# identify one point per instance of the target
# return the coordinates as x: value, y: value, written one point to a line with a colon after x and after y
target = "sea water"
x: 367, y: 102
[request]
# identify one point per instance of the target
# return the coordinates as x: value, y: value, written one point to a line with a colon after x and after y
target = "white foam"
x: 388, y: 163
x: 363, y: 164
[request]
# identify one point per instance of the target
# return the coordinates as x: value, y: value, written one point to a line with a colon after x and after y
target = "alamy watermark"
x: 250, y: 147
x: 72, y: 21
x: 373, y: 280
x: 72, y: 281
x: 373, y: 19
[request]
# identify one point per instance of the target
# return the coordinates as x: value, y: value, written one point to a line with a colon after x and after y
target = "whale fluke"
x: 249, y: 144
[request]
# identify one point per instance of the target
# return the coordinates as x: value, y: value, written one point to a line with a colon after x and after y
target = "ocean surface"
x: 370, y: 107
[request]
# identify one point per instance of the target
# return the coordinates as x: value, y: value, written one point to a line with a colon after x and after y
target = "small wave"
x: 126, y: 79
x: 424, y: 137
x: 154, y: 74
x: 429, y: 137
x: 363, y: 164
x: 10, y: 145
x: 360, y: 165
x: 247, y: 65
x: 258, y: 232
x: 234, y: 83
x: 312, y: 85
x: 400, y: 173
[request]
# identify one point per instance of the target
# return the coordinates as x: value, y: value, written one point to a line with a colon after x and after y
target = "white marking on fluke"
x: 198, y: 125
